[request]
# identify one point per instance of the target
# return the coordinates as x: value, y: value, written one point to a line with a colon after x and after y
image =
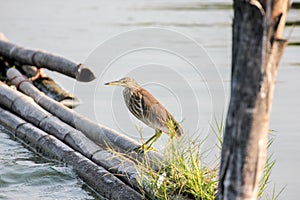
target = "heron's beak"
x: 112, y: 83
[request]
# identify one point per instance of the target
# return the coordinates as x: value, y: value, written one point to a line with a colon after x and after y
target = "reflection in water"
x: 294, y: 43
x: 161, y: 24
x: 292, y: 23
x: 296, y: 5
x: 190, y: 6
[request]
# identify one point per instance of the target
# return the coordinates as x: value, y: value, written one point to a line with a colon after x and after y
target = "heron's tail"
x: 174, y: 128
x: 178, y: 130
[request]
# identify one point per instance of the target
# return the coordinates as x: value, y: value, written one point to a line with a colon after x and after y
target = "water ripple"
x: 24, y: 174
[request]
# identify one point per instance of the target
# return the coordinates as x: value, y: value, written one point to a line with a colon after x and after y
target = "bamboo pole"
x: 96, y: 176
x: 29, y: 110
x: 48, y: 86
x: 40, y: 79
x: 46, y: 60
x: 96, y: 132
x: 99, y: 134
x: 25, y: 107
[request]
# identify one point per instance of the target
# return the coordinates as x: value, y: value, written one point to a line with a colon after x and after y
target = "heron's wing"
x: 147, y: 108
x: 154, y: 112
x: 158, y: 116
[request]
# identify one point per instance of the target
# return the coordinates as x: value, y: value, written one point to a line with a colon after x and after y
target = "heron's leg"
x: 155, y: 138
x: 152, y: 138
x: 144, y: 147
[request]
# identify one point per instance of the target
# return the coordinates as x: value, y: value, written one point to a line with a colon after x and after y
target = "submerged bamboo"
x: 32, y: 112
x: 46, y: 60
x: 52, y: 129
x: 96, y: 176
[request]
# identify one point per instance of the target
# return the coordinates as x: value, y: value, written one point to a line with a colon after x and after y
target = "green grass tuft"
x: 184, y: 175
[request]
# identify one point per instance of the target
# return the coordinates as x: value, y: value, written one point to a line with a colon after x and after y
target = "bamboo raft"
x: 41, y: 117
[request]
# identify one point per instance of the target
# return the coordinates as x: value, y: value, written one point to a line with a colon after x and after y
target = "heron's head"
x: 125, y: 82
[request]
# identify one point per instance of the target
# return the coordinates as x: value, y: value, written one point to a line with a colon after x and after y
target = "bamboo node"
x: 33, y: 56
x: 12, y: 50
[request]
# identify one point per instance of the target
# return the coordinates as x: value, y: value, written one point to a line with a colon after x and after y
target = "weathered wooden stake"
x: 257, y: 49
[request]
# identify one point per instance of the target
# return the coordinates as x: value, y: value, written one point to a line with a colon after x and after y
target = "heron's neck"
x: 127, y: 95
x: 133, y: 87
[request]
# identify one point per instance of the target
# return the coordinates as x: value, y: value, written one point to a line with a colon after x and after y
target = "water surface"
x: 75, y: 29
x: 24, y: 174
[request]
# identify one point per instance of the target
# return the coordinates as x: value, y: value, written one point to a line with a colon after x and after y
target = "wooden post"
x: 257, y: 49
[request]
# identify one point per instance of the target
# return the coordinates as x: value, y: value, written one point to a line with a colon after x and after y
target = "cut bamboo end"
x: 84, y: 74
x: 42, y: 59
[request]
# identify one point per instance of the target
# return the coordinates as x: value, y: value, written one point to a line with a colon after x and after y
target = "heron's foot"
x: 144, y: 148
x: 147, y: 146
